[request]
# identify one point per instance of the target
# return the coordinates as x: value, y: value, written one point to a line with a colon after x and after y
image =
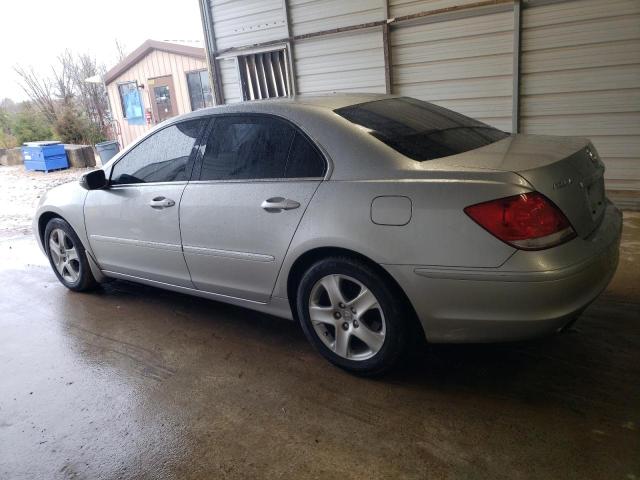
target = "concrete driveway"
x: 134, y: 382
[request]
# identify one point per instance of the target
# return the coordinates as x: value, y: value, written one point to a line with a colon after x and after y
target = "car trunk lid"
x: 567, y: 170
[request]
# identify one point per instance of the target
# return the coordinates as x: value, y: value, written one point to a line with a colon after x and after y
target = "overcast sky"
x: 35, y: 32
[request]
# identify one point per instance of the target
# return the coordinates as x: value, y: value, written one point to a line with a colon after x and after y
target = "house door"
x: 163, y: 99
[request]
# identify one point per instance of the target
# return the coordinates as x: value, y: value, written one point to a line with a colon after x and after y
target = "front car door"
x: 133, y: 226
x: 239, y: 213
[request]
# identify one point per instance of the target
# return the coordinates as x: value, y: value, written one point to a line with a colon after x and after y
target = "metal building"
x: 562, y: 67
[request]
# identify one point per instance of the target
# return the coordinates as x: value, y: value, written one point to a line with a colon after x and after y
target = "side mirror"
x: 94, y: 180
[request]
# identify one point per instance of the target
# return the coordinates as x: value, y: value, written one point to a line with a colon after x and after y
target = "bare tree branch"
x: 121, y: 50
x: 62, y: 78
x: 39, y: 90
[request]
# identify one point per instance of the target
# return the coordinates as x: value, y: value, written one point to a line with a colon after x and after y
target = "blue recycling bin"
x: 44, y: 156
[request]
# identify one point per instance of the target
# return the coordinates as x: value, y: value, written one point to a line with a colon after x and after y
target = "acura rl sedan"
x: 372, y: 220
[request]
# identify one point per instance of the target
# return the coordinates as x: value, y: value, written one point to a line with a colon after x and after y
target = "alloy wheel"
x: 64, y: 255
x: 347, y: 317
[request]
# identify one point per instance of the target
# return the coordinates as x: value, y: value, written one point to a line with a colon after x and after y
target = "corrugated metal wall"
x: 155, y: 64
x: 581, y: 76
x: 317, y: 15
x: 465, y: 65
x: 237, y: 23
x: 580, y: 63
x: 399, y: 8
x: 230, y: 80
x: 347, y: 62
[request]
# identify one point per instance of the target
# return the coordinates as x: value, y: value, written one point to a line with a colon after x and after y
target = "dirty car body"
x: 483, y: 235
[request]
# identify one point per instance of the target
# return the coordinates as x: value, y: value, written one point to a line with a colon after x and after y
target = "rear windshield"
x: 420, y: 130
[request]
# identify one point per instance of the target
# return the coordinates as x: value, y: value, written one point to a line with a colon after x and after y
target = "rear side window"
x: 162, y: 157
x: 245, y: 148
x: 304, y: 159
x: 420, y: 130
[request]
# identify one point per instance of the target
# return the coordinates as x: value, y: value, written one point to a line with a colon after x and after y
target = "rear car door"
x: 133, y: 226
x: 239, y: 213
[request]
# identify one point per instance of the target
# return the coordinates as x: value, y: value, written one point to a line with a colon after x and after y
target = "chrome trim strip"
x: 215, y: 252
x: 119, y: 186
x: 258, y: 180
x: 137, y: 243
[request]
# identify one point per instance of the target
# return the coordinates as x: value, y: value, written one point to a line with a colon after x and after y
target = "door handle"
x: 277, y: 204
x: 161, y: 202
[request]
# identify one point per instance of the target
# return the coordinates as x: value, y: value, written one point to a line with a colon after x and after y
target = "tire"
x: 375, y: 331
x: 67, y: 256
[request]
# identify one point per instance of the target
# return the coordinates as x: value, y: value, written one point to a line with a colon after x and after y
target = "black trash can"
x: 107, y: 150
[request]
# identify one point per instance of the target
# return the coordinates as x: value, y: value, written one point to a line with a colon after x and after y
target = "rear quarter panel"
x: 439, y: 233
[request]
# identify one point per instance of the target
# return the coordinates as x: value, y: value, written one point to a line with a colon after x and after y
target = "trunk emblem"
x: 562, y: 183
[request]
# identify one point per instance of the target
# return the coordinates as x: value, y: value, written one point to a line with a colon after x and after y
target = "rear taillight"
x: 529, y: 221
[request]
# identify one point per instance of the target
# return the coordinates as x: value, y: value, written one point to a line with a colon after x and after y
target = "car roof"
x: 329, y: 101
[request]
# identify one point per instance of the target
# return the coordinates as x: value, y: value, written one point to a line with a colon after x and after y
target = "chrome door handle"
x: 161, y: 202
x: 277, y: 204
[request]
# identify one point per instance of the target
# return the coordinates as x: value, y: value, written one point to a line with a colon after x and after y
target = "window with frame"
x: 246, y: 148
x: 200, y: 94
x: 163, y: 157
x: 130, y: 100
x: 264, y: 75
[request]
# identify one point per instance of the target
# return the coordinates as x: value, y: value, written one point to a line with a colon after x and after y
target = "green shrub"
x: 73, y: 127
x: 30, y: 126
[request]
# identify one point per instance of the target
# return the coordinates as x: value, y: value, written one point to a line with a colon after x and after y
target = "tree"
x: 120, y: 50
x: 66, y: 94
x: 39, y: 90
x: 7, y: 139
x: 30, y: 125
x: 91, y: 96
x: 73, y: 127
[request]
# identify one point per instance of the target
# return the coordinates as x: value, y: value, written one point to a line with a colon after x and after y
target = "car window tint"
x: 304, y: 159
x: 420, y: 130
x: 247, y: 148
x: 163, y: 157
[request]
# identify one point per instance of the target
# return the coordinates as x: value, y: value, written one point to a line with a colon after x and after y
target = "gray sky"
x: 35, y: 32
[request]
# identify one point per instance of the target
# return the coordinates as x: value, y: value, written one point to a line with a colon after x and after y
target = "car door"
x: 133, y: 225
x: 255, y: 179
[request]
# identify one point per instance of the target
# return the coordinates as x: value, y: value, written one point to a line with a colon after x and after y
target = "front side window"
x: 420, y: 130
x: 245, y: 147
x: 200, y: 93
x: 162, y: 157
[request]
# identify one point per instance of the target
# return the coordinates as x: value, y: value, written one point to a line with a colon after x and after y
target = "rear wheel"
x: 67, y: 256
x: 351, y: 316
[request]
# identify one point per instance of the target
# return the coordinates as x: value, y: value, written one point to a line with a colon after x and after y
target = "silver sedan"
x: 372, y: 220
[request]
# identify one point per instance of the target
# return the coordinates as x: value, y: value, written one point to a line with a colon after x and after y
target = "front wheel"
x: 352, y: 316
x: 67, y: 256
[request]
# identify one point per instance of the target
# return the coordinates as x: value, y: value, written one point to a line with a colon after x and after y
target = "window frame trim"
x: 192, y: 159
x: 196, y: 172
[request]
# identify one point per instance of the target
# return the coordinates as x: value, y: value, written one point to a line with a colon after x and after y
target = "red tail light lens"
x: 529, y: 221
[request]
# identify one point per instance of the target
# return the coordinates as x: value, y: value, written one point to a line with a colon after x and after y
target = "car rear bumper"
x: 518, y: 300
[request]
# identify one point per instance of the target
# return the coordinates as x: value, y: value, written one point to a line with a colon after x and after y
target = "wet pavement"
x: 135, y: 382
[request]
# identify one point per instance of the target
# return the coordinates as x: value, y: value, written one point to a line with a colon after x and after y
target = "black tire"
x: 85, y: 280
x: 390, y: 303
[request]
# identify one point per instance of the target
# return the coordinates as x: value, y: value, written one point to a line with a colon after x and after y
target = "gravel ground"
x: 20, y: 191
